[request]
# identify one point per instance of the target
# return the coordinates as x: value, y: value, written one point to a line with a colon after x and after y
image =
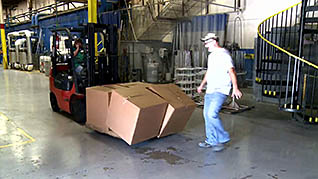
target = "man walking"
x: 219, y: 78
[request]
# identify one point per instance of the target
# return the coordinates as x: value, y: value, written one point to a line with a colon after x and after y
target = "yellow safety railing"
x: 279, y: 48
x: 290, y: 84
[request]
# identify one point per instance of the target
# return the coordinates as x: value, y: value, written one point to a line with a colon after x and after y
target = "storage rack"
x: 188, y: 79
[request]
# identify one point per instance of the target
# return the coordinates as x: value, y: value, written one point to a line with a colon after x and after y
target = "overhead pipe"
x: 35, y: 18
x: 45, y: 8
x: 237, y: 18
x: 222, y: 5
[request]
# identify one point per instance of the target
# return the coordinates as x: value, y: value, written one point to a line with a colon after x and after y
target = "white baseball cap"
x: 209, y: 36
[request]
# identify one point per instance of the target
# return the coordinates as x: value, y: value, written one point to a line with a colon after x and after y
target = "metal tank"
x: 20, y: 52
x: 18, y: 44
x: 28, y: 62
x: 12, y: 57
x: 23, y: 52
x: 12, y: 52
x: 152, y: 72
x: 17, y: 58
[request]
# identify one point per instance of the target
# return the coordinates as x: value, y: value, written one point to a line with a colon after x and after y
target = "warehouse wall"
x: 255, y: 12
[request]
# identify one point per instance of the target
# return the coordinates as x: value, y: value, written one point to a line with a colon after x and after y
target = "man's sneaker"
x: 218, y: 148
x: 225, y: 142
x: 204, y: 145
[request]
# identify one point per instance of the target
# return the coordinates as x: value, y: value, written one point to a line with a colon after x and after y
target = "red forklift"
x: 67, y: 88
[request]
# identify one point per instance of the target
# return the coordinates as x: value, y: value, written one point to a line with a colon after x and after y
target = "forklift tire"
x: 78, y: 110
x: 53, y: 101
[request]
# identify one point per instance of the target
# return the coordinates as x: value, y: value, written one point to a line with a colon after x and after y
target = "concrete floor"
x: 265, y: 143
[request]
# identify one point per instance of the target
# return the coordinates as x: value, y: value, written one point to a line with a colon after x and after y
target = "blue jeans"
x: 215, y: 133
x: 78, y: 69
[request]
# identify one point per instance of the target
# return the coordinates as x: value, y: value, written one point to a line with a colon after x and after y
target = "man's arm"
x: 236, y: 92
x: 199, y: 89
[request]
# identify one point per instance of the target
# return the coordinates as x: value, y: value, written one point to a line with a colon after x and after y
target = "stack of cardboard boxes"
x: 136, y: 112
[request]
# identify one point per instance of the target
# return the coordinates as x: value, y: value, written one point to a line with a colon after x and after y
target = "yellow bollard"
x: 4, y: 47
x: 3, y: 39
x: 92, y: 18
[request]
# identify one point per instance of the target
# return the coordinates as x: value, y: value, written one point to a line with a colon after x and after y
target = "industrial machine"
x: 67, y: 88
x: 20, y: 49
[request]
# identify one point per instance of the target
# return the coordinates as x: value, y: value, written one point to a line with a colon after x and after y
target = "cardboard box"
x: 97, y: 103
x: 179, y: 110
x: 133, y: 84
x: 138, y: 111
x: 135, y: 113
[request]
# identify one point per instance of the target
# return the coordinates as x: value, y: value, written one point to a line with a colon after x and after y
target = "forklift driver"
x: 78, y: 56
x: 79, y: 64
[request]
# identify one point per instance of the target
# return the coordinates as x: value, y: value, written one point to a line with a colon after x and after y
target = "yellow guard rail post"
x: 92, y: 18
x: 3, y: 39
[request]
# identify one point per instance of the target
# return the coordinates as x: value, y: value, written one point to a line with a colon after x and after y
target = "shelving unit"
x: 188, y: 79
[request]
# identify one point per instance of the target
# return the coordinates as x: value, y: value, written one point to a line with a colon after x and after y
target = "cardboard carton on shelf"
x: 135, y: 113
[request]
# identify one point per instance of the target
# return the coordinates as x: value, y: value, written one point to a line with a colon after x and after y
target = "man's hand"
x: 77, y: 49
x: 199, y: 89
x: 237, y: 93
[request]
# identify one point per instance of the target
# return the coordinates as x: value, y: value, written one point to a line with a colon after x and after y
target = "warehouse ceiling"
x: 10, y: 3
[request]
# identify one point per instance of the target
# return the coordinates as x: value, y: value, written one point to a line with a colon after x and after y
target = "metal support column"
x: 92, y: 18
x: 3, y: 38
x: 297, y: 68
x: 301, y: 28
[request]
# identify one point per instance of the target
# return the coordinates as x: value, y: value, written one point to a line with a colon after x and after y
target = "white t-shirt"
x: 218, y: 77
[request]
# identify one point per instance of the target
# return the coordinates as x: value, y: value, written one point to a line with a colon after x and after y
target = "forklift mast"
x: 68, y: 87
x: 54, y: 48
x: 105, y: 71
x: 91, y: 55
x: 100, y: 70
